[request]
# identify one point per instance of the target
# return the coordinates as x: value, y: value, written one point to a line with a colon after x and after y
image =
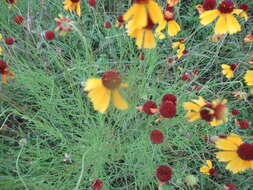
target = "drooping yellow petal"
x: 226, y: 156
x: 118, y: 101
x: 209, y: 163
x: 149, y: 40
x: 235, y: 139
x: 237, y: 165
x: 191, y: 106
x: 232, y: 24
x: 249, y: 77
x: 140, y: 17
x: 100, y: 97
x: 159, y: 28
x: 92, y: 83
x: 78, y: 9
x: 155, y: 12
x: 139, y: 37
x: 225, y: 66
x: 216, y: 122
x: 173, y: 28
x: 130, y: 12
x: 192, y: 116
x: 204, y: 170
x: 201, y: 101
x: 221, y: 25
x: 208, y: 16
x: 225, y: 144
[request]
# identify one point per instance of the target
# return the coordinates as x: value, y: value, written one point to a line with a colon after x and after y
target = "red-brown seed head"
x: 243, y: 124
x: 111, y: 79
x: 235, y: 112
x: 206, y: 112
x: 209, y: 4
x: 75, y: 1
x: 244, y: 7
x: 97, y: 185
x: 164, y: 173
x: 167, y: 109
x: 233, y: 67
x: 156, y: 137
x: 148, y: 106
x: 220, y: 111
x: 141, y: 1
x: 212, y: 172
x: 92, y: 3
x: 49, y: 35
x: 107, y: 24
x: 170, y: 98
x: 142, y: 57
x: 186, y: 77
x: 10, y: 41
x: 3, y: 67
x: 120, y: 19
x: 245, y: 151
x: 169, y: 8
x: 18, y: 19
x: 11, y: 1
x: 229, y: 187
x: 226, y: 6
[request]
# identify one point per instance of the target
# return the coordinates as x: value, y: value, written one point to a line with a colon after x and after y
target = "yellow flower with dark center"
x: 73, y: 5
x: 140, y: 11
x: 208, y: 168
x: 226, y: 22
x: 228, y: 70
x: 237, y: 153
x: 249, y: 77
x: 144, y: 37
x: 101, y: 90
x: 173, y: 26
x: 181, y: 48
x: 215, y: 113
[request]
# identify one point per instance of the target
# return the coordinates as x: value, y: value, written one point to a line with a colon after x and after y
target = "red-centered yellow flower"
x: 249, y: 37
x: 173, y: 26
x: 215, y: 113
x: 237, y: 153
x: 226, y: 22
x: 249, y: 77
x: 64, y: 25
x: 5, y: 72
x: 101, y: 90
x: 141, y: 11
x: 181, y: 48
x: 208, y: 168
x: 144, y: 37
x: 73, y: 5
x: 228, y: 70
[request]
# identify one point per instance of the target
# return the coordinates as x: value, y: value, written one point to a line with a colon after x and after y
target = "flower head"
x: 167, y: 109
x: 49, y: 35
x: 97, y: 185
x: 208, y: 169
x: 107, y: 24
x: 120, y: 21
x: 228, y: 70
x: 237, y: 153
x: 235, y: 112
x: 73, y: 5
x: 170, y: 98
x: 9, y: 40
x: 243, y: 124
x: 156, y: 137
x: 207, y: 5
x: 64, y: 24
x: 214, y: 112
x: 226, y: 22
x: 101, y: 90
x: 5, y: 72
x: 148, y: 106
x: 92, y: 3
x: 18, y: 19
x: 163, y: 173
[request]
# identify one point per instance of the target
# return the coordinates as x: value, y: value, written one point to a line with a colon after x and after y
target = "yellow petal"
x: 237, y: 11
x: 93, y: 83
x: 78, y: 9
x: 244, y: 15
x: 238, y: 165
x: 204, y: 170
x: 225, y: 144
x: 232, y: 24
x: 173, y: 28
x: 155, y: 12
x: 100, y: 97
x: 208, y: 16
x: 192, y: 116
x: 235, y: 139
x: 201, y: 101
x: 139, y: 38
x: 149, y: 40
x: 140, y: 17
x: 130, y: 12
x: 161, y: 26
x: 221, y: 25
x: 209, y: 163
x: 216, y: 122
x: 118, y: 101
x: 226, y: 156
x: 249, y: 77
x: 191, y: 106
x: 225, y: 66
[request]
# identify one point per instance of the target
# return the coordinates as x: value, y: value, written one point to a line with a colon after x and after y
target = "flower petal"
x: 118, y: 101
x: 208, y: 16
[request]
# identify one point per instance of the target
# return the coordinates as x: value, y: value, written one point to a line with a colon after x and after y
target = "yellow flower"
x: 226, y: 22
x: 208, y: 168
x: 181, y: 48
x: 101, y: 90
x: 249, y: 78
x: 238, y: 154
x: 228, y: 70
x: 173, y: 27
x: 144, y: 38
x: 140, y: 11
x: 215, y: 113
x: 73, y: 5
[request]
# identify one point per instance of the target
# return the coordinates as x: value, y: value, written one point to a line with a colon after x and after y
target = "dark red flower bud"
x: 186, y: 77
x: 209, y: 4
x: 243, y: 124
x: 10, y: 41
x: 156, y: 137
x: 107, y: 24
x: 142, y: 57
x: 120, y: 19
x: 244, y: 7
x: 92, y: 3
x: 3, y: 67
x: 148, y: 106
x: 229, y: 187
x: 163, y: 173
x: 235, y: 112
x: 170, y: 98
x: 18, y: 19
x: 168, y: 109
x: 97, y: 185
x: 49, y: 35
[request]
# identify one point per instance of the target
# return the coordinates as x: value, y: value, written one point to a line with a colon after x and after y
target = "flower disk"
x: 226, y: 6
x: 156, y: 137
x: 3, y: 67
x: 245, y: 151
x: 163, y: 173
x: 209, y: 4
x: 167, y: 109
x: 111, y: 79
x: 148, y: 106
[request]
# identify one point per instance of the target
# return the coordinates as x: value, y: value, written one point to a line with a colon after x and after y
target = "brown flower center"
x: 245, y: 151
x: 75, y: 1
x: 226, y: 6
x: 206, y: 112
x: 150, y: 24
x: 111, y: 79
x: 209, y: 4
x: 141, y: 1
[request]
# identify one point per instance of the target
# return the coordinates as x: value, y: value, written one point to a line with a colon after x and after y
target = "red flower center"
x: 245, y: 151
x: 141, y: 1
x: 148, y: 106
x: 111, y: 79
x: 226, y: 6
x: 163, y: 173
x: 169, y: 8
x: 75, y: 1
x: 3, y: 67
x: 156, y: 137
x: 120, y: 19
x: 168, y: 109
x: 233, y: 67
x: 168, y: 16
x: 244, y: 7
x: 206, y: 114
x: 212, y: 172
x: 49, y: 35
x: 209, y: 4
